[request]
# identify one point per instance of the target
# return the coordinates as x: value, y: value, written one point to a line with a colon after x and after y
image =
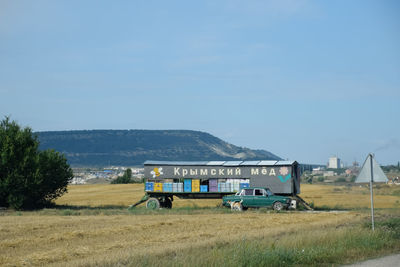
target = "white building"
x: 334, y: 163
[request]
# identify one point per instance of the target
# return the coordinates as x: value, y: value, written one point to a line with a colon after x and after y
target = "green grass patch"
x: 69, y: 210
x: 188, y: 210
x: 390, y: 226
x: 329, y: 208
x: 396, y: 192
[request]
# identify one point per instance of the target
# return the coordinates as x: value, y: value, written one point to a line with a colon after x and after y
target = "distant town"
x: 104, y: 175
x: 334, y: 172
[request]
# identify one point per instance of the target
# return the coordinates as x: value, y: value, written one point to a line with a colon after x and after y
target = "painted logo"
x: 285, y: 175
x: 156, y: 172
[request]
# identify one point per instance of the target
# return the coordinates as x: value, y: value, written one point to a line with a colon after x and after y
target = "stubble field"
x: 348, y: 197
x: 92, y: 227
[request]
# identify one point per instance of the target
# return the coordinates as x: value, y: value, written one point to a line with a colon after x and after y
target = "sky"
x: 305, y: 80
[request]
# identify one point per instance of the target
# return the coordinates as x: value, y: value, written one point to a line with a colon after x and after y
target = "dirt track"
x: 392, y: 260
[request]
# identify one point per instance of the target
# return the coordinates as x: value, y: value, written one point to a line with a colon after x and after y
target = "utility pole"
x: 372, y: 194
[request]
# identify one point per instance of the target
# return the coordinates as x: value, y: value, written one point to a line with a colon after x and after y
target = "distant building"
x: 318, y: 170
x: 329, y: 173
x: 334, y: 163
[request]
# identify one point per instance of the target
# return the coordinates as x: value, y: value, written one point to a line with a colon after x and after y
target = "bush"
x: 29, y: 178
x: 124, y: 179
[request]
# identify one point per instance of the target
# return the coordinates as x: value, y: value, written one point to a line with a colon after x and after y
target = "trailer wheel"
x: 277, y: 206
x: 237, y: 206
x: 153, y: 203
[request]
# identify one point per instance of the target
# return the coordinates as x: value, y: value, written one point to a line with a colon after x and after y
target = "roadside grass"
x: 389, y: 225
x: 322, y: 247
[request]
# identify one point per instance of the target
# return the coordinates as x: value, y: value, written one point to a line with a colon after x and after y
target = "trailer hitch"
x: 144, y: 199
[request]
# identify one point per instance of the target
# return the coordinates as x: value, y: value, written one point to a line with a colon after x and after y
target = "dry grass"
x: 353, y: 197
x: 35, y: 238
x: 78, y: 240
x: 102, y: 195
x: 321, y: 195
x: 118, y: 195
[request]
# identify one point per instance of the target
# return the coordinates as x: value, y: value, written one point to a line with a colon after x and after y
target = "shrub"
x: 124, y: 179
x: 29, y: 178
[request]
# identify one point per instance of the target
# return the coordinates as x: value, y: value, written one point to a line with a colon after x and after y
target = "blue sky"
x: 303, y: 79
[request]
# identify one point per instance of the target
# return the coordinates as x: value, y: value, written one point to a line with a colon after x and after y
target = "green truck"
x: 257, y: 197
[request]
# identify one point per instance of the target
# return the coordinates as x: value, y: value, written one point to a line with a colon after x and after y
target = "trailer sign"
x: 281, y: 177
x: 282, y: 173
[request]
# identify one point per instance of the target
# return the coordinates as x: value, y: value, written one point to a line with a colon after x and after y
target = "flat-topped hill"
x: 133, y: 147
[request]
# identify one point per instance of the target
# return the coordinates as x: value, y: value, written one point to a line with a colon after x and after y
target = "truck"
x: 165, y: 180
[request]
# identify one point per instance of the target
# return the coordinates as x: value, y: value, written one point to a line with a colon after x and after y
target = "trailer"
x: 165, y: 180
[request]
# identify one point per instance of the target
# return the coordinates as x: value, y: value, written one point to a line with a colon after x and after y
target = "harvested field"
x: 351, y: 197
x: 321, y: 195
x: 118, y: 195
x: 94, y: 228
x: 37, y: 240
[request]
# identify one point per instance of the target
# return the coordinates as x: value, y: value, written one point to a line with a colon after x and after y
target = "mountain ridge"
x: 133, y: 147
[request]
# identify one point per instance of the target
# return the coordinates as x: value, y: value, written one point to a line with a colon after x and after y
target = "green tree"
x: 126, y: 178
x: 29, y: 178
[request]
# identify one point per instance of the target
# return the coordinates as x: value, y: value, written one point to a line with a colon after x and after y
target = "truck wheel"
x: 277, y: 206
x: 237, y: 206
x: 153, y: 203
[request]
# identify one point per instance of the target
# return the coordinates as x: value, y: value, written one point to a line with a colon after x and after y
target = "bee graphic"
x: 156, y: 172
